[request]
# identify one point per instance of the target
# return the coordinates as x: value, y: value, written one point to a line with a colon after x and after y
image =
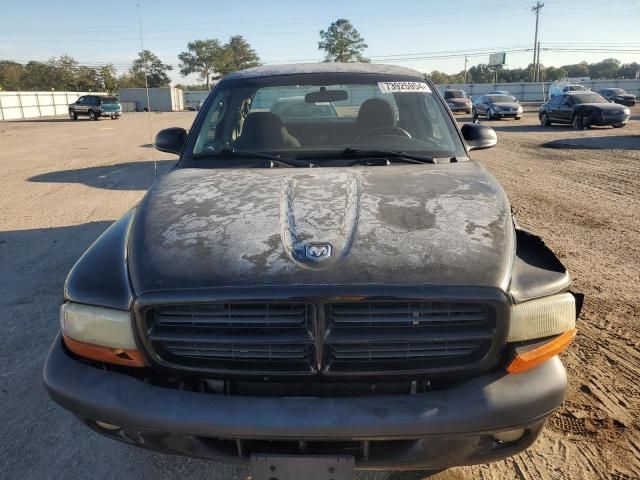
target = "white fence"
x: 19, y: 105
x: 533, y: 92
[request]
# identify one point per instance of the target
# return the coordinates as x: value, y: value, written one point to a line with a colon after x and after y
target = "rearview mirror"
x: 171, y: 140
x: 324, y: 96
x: 479, y: 137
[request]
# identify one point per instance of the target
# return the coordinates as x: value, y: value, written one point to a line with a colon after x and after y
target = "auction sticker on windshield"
x: 400, y: 87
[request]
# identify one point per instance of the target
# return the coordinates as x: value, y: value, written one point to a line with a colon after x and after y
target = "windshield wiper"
x: 230, y: 152
x: 351, y: 152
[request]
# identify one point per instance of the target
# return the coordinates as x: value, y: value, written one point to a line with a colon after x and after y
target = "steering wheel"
x: 388, y: 130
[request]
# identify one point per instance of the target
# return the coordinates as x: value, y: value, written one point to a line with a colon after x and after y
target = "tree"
x: 202, y: 57
x: 10, y: 75
x: 629, y: 70
x: 107, y: 77
x: 156, y: 71
x: 577, y: 69
x: 607, y: 68
x: 342, y: 43
x: 237, y: 55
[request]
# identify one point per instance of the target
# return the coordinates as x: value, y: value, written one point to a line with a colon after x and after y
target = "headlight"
x: 100, y: 333
x: 542, y: 317
x: 552, y: 318
x: 519, y: 108
x: 626, y: 111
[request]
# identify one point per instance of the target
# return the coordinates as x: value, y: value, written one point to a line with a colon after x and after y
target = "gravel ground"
x: 63, y: 183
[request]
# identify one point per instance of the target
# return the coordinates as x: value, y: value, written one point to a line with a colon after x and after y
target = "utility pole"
x: 465, y: 68
x: 538, y: 64
x: 536, y: 9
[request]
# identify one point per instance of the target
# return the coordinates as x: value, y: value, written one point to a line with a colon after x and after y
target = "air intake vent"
x: 406, y: 336
x: 251, y: 338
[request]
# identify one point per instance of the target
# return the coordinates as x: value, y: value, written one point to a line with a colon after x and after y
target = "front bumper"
x: 433, y: 430
x: 460, y: 108
x: 502, y: 114
x: 602, y: 121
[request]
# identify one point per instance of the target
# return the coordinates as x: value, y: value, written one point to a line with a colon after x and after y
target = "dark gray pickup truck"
x: 323, y: 292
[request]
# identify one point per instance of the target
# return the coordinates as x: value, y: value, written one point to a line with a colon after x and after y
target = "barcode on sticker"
x: 399, y: 87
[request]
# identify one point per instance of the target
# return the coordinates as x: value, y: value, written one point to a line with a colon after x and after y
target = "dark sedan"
x: 618, y: 95
x: 496, y: 107
x: 582, y: 110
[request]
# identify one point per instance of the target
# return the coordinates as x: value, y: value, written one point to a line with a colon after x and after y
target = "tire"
x: 517, y: 118
x: 92, y: 115
x: 72, y: 114
x: 619, y: 125
x: 489, y: 114
x: 577, y: 122
x: 544, y: 120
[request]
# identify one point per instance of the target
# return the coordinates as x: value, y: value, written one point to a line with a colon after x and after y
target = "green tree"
x: 237, y: 55
x: 342, y: 43
x: 38, y: 76
x: 10, y: 75
x: 577, y: 69
x: 107, y: 78
x: 156, y: 71
x: 629, y: 70
x: 607, y: 68
x: 203, y: 57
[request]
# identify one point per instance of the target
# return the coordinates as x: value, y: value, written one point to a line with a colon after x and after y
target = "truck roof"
x: 329, y: 67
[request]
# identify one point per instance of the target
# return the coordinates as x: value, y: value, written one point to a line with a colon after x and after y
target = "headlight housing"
x: 551, y: 320
x: 99, y: 333
x: 542, y: 317
x: 627, y: 111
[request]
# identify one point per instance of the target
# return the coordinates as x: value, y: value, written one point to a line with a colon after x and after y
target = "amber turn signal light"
x: 527, y: 360
x: 118, y: 356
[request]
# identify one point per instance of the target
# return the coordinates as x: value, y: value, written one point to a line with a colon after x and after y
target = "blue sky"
x: 425, y: 35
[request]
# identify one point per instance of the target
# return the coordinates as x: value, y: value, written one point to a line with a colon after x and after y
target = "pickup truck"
x: 338, y: 293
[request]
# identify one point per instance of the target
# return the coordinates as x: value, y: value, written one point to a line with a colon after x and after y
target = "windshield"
x: 575, y: 88
x: 617, y: 91
x: 454, y: 94
x: 588, y: 98
x: 298, y: 115
x: 500, y: 99
x: 107, y: 100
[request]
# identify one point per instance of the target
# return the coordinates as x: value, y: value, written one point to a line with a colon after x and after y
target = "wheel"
x: 578, y: 122
x: 72, y: 114
x: 92, y: 115
x: 619, y: 125
x: 517, y: 118
x: 474, y: 115
x: 544, y: 120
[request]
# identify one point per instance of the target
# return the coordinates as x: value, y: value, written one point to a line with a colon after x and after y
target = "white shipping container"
x: 167, y: 99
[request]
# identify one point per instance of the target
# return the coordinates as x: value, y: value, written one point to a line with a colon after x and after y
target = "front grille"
x: 330, y: 339
x: 247, y: 337
x: 406, y: 336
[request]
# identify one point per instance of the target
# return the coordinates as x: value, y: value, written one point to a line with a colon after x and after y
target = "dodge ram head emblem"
x: 317, y: 251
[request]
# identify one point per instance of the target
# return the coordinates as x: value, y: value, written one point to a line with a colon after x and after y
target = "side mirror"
x: 171, y: 140
x: 479, y: 137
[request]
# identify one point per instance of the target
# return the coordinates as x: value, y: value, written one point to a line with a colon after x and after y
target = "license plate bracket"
x: 296, y: 467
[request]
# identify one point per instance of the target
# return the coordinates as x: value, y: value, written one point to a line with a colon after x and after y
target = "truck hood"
x: 406, y: 224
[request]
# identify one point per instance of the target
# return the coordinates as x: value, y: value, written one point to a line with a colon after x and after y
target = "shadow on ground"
x: 611, y: 142
x: 123, y: 176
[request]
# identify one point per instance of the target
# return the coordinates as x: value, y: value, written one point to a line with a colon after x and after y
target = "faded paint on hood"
x: 405, y: 224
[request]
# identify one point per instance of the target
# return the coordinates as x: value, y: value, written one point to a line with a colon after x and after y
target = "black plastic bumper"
x: 433, y: 430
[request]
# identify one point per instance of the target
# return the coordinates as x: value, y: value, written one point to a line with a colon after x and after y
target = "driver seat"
x: 375, y: 113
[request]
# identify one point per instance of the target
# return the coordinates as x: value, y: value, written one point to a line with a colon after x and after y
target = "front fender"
x: 536, y: 271
x: 101, y: 277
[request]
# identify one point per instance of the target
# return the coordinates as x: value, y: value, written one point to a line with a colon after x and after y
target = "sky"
x: 422, y: 34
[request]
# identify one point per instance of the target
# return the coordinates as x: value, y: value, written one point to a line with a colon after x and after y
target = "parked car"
x: 495, y: 107
x: 618, y: 95
x: 503, y: 92
x: 95, y: 106
x: 582, y: 110
x: 558, y: 88
x: 298, y: 109
x: 352, y: 292
x: 458, y: 101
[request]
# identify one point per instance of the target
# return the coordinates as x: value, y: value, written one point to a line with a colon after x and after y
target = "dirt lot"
x: 62, y: 183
